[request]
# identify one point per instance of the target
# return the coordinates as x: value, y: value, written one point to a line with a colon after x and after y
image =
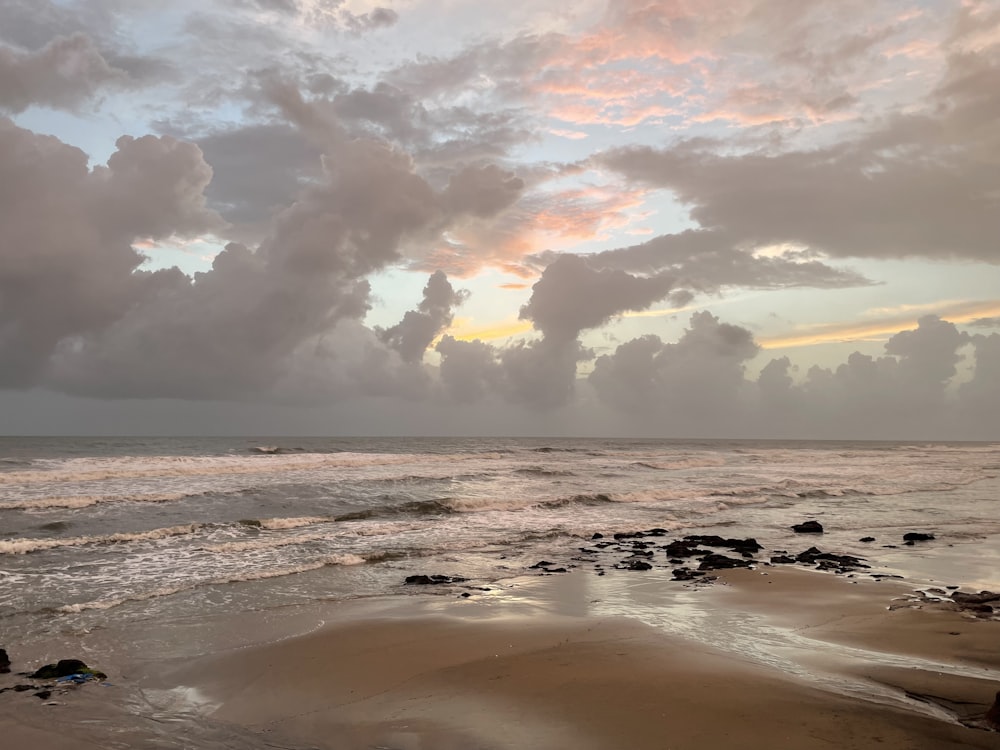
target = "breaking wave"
x: 24, y: 546
x: 260, y: 575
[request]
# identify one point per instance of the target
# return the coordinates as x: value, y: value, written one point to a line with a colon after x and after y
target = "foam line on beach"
x: 256, y: 575
x: 24, y: 546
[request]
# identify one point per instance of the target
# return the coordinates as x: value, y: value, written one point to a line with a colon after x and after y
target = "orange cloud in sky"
x: 558, y: 220
x: 463, y: 330
x: 897, y: 320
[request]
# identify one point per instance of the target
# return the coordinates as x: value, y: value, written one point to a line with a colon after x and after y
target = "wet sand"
x: 544, y: 670
x: 772, y: 658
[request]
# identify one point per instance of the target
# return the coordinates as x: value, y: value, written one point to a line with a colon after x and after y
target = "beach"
x: 539, y: 663
x: 509, y: 594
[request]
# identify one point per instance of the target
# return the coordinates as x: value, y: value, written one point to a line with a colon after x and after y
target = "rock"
x: 597, y: 536
x: 422, y: 580
x: 44, y: 694
x: 808, y: 527
x: 4, y: 661
x: 628, y: 535
x: 916, y: 536
x: 62, y: 668
x: 720, y: 562
x: 993, y: 715
x: 742, y: 546
x: 686, y: 574
x: 867, y: 539
x: 634, y: 565
x: 656, y: 532
x: 540, y: 564
x: 981, y: 598
x: 683, y: 549
x: 782, y: 560
x: 829, y: 561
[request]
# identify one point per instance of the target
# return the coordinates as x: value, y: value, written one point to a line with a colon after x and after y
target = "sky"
x: 676, y: 218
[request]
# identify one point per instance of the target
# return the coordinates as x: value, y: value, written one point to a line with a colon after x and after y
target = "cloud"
x: 482, y: 191
x: 262, y: 319
x: 418, y: 328
x: 698, y: 381
x: 239, y: 156
x: 65, y: 73
x: 572, y: 296
x: 707, y: 260
x: 698, y: 386
x: 869, y: 196
x: 67, y: 267
x: 884, y: 323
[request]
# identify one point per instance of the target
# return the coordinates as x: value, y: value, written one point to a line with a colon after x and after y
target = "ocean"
x: 129, y: 549
x: 137, y: 528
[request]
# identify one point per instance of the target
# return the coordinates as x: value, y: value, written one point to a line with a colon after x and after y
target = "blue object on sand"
x: 76, y: 678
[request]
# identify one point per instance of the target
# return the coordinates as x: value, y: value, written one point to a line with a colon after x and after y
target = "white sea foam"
x: 97, y: 469
x: 85, y: 501
x: 23, y: 546
x: 249, y: 575
x: 262, y: 543
x: 293, y: 523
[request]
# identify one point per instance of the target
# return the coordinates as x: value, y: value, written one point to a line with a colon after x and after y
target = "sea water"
x: 134, y: 551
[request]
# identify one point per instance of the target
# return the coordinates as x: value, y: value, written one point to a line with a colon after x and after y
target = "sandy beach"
x: 556, y: 662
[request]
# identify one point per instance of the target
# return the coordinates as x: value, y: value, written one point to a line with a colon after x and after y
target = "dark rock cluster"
x: 984, y: 604
x: 691, y: 558
x: 63, y: 675
x: 808, y: 527
x: 424, y: 580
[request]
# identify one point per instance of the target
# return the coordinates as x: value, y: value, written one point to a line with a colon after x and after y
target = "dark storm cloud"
x: 282, y: 318
x: 240, y: 156
x: 705, y: 261
x: 73, y: 274
x: 572, y: 296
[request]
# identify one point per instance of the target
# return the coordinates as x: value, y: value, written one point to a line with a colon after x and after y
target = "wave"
x: 540, y: 471
x: 415, y: 507
x: 260, y: 544
x: 685, y: 463
x: 562, y: 502
x: 132, y: 467
x: 260, y: 575
x: 85, y: 501
x: 24, y: 546
x: 278, y: 524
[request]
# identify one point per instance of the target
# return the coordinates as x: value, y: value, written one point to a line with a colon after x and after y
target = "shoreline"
x: 599, y: 658
x: 444, y: 676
